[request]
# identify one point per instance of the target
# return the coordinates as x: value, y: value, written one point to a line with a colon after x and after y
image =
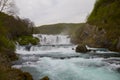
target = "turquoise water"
x: 71, y: 69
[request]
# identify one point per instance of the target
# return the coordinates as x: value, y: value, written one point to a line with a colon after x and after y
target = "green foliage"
x: 5, y: 43
x: 14, y: 27
x: 25, y: 40
x: 106, y: 15
x: 10, y: 29
x: 34, y: 41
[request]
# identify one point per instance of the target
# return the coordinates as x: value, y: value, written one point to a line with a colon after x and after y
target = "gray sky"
x: 43, y: 12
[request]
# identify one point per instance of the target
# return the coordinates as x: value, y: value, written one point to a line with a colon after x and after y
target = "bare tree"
x: 12, y: 9
x: 4, y: 4
x: 30, y: 24
x: 8, y: 6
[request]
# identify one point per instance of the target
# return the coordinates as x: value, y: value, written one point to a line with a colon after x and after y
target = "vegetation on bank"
x: 106, y: 15
x: 10, y: 29
x: 8, y: 73
x: 25, y: 40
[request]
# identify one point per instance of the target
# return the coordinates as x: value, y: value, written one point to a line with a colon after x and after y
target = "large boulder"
x: 45, y: 78
x: 27, y: 76
x: 81, y: 48
x: 118, y: 45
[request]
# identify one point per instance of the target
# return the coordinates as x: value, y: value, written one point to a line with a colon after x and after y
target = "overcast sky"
x: 43, y: 12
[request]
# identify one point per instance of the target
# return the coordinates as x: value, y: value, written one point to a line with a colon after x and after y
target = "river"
x: 56, y: 58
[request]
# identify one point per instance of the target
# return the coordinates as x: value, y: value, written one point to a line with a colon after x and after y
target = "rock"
x: 118, y: 69
x: 27, y: 76
x: 45, y: 78
x: 118, y: 45
x: 81, y: 48
x: 27, y: 47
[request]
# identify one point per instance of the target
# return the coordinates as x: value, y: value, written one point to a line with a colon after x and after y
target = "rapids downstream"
x: 56, y: 58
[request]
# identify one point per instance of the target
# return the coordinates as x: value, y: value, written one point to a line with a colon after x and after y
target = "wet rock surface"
x: 81, y: 48
x: 45, y: 78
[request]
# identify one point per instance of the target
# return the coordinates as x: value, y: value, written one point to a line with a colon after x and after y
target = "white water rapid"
x: 56, y: 58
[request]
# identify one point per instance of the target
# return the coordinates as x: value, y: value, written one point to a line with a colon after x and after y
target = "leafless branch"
x: 8, y: 6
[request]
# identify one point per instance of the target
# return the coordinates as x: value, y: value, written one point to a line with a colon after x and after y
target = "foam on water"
x: 73, y: 69
x: 40, y: 50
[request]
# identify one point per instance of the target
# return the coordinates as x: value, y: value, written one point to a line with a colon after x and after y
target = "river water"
x: 56, y: 58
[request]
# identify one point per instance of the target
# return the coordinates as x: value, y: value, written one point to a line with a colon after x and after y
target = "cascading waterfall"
x: 53, y: 39
x: 48, y: 42
x: 55, y: 57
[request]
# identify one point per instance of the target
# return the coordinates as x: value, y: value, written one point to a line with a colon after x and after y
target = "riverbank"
x: 9, y: 73
x: 10, y: 29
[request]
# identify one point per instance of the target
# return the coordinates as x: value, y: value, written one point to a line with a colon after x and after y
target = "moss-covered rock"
x: 9, y: 73
x: 81, y: 48
x: 25, y: 76
x: 34, y: 41
x: 45, y: 78
x: 25, y: 40
x: 6, y: 43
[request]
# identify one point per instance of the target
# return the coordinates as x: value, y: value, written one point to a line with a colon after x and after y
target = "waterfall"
x: 53, y: 39
x: 48, y: 43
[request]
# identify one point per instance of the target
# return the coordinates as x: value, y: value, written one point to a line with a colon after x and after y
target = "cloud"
x: 55, y: 11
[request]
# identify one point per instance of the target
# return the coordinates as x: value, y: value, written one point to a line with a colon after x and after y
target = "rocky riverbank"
x: 9, y: 73
x: 10, y: 29
x: 95, y: 37
x: 102, y: 28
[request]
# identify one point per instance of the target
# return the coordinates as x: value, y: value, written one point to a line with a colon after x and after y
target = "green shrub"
x: 5, y: 43
x: 34, y: 41
x: 25, y: 40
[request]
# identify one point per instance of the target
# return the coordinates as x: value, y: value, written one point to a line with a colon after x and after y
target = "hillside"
x: 103, y: 26
x: 10, y: 29
x: 61, y: 28
x: 106, y: 15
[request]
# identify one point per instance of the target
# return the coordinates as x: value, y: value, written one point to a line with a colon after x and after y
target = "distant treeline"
x: 61, y: 28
